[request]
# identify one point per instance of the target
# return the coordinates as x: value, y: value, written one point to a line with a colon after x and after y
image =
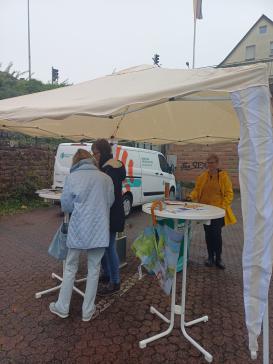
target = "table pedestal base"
x: 179, y: 310
x: 56, y: 288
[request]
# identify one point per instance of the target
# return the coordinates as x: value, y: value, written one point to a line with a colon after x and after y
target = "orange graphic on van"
x: 130, y: 181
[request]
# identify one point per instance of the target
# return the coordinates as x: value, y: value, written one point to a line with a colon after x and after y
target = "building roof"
x: 263, y: 17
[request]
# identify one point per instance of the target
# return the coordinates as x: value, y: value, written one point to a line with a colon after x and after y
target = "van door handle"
x: 156, y: 173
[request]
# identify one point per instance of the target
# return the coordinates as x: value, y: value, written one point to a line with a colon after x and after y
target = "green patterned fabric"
x: 180, y: 224
x: 159, y: 248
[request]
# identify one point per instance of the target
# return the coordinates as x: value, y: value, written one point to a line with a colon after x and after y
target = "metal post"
x: 29, y: 54
x: 193, y: 50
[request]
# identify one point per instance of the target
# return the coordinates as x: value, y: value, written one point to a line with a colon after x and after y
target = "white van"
x: 147, y: 171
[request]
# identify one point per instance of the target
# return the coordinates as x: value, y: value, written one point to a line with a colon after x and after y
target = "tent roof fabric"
x: 143, y: 103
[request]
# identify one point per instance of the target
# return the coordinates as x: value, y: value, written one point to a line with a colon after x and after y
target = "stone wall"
x: 25, y: 165
x: 191, y: 160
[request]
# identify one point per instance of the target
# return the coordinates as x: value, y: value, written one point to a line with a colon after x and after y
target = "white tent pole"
x: 256, y: 139
x: 265, y: 339
x: 266, y: 336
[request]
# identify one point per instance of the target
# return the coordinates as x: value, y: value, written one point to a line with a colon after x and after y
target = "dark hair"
x: 102, y: 146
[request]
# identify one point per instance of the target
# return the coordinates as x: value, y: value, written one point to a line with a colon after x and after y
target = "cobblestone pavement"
x: 29, y: 333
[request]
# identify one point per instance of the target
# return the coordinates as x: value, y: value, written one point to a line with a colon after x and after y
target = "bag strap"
x: 66, y: 218
x: 156, y: 204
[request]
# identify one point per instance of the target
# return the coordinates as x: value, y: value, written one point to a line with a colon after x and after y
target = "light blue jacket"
x: 88, y: 194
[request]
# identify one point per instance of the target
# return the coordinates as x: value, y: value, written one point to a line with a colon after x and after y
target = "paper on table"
x: 179, y: 209
x: 185, y: 205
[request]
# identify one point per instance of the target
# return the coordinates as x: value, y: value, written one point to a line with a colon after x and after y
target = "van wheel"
x: 172, y: 194
x: 127, y: 204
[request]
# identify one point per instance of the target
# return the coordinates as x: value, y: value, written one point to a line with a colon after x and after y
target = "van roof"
x: 122, y: 146
x: 85, y: 143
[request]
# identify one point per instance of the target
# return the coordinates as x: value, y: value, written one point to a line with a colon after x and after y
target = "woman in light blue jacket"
x: 88, y: 195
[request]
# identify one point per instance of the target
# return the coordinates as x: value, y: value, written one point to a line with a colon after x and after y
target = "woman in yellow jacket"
x: 214, y: 187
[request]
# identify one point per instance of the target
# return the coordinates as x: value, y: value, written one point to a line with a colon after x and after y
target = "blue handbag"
x: 57, y: 247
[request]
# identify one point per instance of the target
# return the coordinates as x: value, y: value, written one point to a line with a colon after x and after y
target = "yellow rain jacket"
x: 226, y: 192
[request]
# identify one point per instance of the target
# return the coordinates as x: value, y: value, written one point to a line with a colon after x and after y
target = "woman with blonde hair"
x: 214, y: 187
x: 87, y: 195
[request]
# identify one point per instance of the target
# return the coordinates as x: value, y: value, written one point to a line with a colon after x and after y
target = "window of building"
x: 271, y: 49
x: 262, y: 29
x: 250, y: 52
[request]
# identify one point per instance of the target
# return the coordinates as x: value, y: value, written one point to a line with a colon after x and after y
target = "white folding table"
x: 182, y: 210
x: 55, y: 195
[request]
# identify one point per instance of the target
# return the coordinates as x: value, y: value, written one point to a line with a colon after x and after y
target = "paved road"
x: 29, y: 333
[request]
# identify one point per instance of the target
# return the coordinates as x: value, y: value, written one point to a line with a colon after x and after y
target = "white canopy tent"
x: 161, y: 106
x: 108, y: 106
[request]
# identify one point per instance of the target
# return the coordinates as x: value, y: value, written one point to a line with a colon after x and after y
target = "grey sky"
x: 85, y: 39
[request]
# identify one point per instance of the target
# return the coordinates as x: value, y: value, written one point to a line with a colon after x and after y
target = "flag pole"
x: 193, y: 49
x: 197, y: 14
x: 28, y: 33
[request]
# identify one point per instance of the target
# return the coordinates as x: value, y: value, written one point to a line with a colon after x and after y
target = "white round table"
x: 183, y: 210
x: 187, y: 211
x: 51, y: 195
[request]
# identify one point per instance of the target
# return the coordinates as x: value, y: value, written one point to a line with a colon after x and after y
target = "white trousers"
x: 71, y: 268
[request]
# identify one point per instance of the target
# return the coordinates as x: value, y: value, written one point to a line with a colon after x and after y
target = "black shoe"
x: 112, y: 288
x: 219, y: 264
x: 209, y: 263
x: 104, y: 279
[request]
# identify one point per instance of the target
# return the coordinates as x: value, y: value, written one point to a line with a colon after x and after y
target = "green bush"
x: 12, y: 206
x: 27, y: 190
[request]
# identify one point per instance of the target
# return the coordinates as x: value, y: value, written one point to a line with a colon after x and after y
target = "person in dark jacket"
x: 102, y: 152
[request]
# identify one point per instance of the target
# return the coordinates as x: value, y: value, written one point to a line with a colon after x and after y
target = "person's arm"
x: 111, y: 193
x: 67, y: 197
x: 228, y: 191
x: 193, y: 196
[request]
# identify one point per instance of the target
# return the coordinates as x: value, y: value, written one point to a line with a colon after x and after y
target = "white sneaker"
x: 88, y: 318
x: 53, y: 309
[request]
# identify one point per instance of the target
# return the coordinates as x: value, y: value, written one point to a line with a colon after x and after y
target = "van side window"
x: 163, y: 164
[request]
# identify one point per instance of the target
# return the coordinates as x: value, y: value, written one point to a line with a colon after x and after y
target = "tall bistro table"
x: 55, y: 195
x: 189, y: 212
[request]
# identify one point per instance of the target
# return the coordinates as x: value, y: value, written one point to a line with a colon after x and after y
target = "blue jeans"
x: 110, y: 261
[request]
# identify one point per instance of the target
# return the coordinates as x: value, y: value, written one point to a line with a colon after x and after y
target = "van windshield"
x: 163, y: 164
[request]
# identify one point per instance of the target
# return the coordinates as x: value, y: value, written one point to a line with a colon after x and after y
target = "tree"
x: 12, y: 84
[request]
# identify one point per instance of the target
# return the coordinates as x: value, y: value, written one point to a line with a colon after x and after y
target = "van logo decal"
x: 146, y: 162
x: 65, y: 155
x: 131, y: 181
x: 128, y: 184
